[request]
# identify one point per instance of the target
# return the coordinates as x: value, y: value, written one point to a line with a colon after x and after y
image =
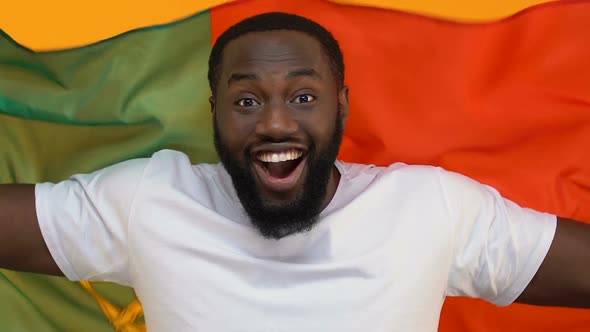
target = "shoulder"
x: 174, y: 168
x: 173, y: 161
x: 397, y: 171
x: 415, y: 179
x: 167, y: 158
x: 398, y: 181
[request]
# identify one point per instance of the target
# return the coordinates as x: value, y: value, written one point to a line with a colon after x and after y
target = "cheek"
x: 325, y: 119
x: 235, y: 129
x: 320, y: 128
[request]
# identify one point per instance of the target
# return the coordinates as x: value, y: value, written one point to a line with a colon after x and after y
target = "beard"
x: 277, y: 220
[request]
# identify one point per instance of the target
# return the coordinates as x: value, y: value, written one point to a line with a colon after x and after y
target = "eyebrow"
x: 236, y: 77
x: 307, y: 72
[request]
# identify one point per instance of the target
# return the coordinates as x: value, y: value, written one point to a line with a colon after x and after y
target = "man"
x: 281, y: 236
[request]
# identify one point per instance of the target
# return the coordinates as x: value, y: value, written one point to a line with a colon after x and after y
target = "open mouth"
x: 280, y: 170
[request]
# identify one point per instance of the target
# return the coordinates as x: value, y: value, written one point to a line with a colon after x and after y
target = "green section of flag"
x: 79, y: 110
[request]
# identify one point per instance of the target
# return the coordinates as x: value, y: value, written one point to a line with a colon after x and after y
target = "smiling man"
x: 279, y: 110
x: 282, y: 236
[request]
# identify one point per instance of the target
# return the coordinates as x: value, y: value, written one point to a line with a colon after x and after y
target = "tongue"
x: 281, y: 169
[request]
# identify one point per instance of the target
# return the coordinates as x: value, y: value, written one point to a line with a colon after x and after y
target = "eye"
x: 248, y: 102
x: 302, y: 99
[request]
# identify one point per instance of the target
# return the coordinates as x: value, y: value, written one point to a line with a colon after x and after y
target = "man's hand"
x: 22, y: 247
x: 564, y: 277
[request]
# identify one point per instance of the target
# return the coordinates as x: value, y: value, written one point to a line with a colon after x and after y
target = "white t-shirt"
x: 391, y: 245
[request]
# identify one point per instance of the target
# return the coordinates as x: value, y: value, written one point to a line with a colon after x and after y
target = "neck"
x: 332, y: 186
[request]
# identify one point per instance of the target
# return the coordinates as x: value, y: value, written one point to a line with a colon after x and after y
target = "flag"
x: 499, y: 92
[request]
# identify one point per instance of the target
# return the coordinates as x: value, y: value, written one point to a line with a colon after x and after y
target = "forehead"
x: 273, y: 51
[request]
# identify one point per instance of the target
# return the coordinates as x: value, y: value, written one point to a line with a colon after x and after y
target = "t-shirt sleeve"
x: 84, y: 221
x: 498, y: 246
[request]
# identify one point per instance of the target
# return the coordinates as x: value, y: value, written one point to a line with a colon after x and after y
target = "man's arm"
x: 564, y: 276
x: 22, y: 247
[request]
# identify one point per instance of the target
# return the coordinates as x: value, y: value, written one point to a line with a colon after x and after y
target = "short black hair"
x: 277, y: 21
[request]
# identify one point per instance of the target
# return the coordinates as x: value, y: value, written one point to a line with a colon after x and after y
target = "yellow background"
x: 57, y: 24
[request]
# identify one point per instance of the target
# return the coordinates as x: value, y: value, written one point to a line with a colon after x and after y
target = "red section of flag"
x: 507, y: 103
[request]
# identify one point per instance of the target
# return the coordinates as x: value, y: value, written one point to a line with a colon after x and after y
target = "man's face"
x: 278, y: 119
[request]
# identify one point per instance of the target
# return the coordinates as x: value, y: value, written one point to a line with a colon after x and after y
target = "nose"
x: 276, y: 122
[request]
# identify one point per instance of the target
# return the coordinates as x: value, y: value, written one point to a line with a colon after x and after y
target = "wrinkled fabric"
x: 78, y: 110
x: 505, y: 102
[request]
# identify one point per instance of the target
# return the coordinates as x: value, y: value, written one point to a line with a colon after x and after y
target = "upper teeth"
x: 275, y: 157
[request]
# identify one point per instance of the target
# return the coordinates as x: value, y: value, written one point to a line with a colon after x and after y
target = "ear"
x: 212, y: 104
x: 343, y: 104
